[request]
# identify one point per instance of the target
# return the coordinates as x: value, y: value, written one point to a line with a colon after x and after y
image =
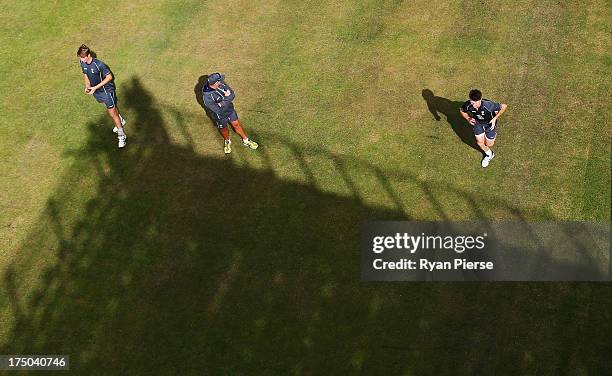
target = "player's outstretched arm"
x: 499, y: 113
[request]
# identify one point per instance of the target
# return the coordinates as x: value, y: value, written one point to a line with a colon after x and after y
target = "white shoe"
x: 122, y: 142
x: 486, y: 160
x: 115, y: 130
x: 250, y: 144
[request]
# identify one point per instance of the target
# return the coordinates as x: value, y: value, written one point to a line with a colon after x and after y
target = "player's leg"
x: 479, y: 133
x: 114, y: 114
x: 480, y: 140
x: 115, y: 129
x: 237, y: 127
x: 489, y: 141
x: 482, y: 143
x: 490, y: 135
x: 121, y: 136
x: 235, y: 122
x: 111, y: 107
x: 113, y: 96
x: 109, y: 100
x: 112, y: 99
x: 224, y: 131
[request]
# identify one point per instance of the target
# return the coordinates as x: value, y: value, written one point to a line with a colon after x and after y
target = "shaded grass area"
x: 171, y: 266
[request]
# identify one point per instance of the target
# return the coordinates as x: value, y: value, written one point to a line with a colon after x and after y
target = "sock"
x: 120, y: 132
x: 489, y: 153
x: 245, y: 140
x: 227, y: 142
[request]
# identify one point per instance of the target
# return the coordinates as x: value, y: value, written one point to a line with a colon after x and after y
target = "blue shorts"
x: 107, y: 97
x: 486, y: 129
x: 222, y: 122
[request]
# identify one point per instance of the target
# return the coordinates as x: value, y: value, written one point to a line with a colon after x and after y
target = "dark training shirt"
x: 216, y: 101
x: 96, y: 72
x: 487, y: 111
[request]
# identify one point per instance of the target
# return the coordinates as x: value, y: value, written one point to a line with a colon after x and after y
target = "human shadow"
x: 198, y: 91
x: 450, y: 109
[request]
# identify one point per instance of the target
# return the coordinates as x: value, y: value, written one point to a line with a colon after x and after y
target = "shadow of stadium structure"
x: 184, y: 264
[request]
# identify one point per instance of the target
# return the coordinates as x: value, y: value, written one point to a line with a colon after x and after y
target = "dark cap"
x: 214, y: 77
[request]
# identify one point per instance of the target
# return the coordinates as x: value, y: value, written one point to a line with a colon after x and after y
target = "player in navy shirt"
x: 482, y: 114
x: 218, y: 99
x: 99, y: 83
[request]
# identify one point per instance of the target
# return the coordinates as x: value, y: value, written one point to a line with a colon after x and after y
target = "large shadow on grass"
x: 450, y: 109
x: 160, y: 261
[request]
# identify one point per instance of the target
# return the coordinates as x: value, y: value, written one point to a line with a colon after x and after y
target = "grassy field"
x: 169, y: 257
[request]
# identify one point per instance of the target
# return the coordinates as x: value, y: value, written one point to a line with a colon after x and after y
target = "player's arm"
x: 229, y: 93
x: 467, y: 117
x: 502, y: 109
x: 87, y: 83
x: 107, y: 79
x: 211, y: 104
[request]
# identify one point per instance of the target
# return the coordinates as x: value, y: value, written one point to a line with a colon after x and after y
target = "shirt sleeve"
x: 232, y: 95
x: 104, y: 69
x: 496, y: 106
x: 464, y: 107
x: 83, y: 68
x: 211, y: 102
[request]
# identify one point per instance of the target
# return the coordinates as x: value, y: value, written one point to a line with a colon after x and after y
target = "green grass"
x: 168, y: 257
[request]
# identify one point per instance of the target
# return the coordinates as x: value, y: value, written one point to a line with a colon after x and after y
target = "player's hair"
x: 83, y: 51
x: 475, y: 95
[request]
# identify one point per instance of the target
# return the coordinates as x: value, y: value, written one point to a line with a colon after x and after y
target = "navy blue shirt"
x: 96, y: 71
x: 483, y: 115
x: 217, y: 102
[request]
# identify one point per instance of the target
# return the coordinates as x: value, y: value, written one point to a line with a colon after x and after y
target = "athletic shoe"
x: 227, y: 148
x: 122, y: 142
x: 250, y: 144
x: 486, y: 160
x: 115, y: 129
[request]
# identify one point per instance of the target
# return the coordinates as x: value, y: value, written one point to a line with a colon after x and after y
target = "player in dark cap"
x: 482, y: 114
x: 99, y: 83
x: 218, y: 98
